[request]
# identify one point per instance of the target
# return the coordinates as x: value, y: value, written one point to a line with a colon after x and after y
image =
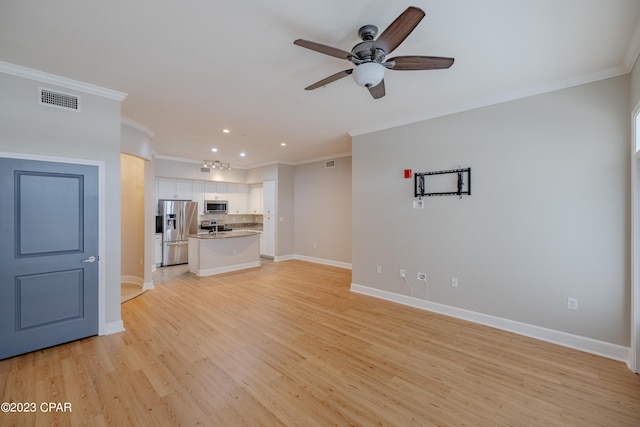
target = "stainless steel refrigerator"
x: 179, y: 219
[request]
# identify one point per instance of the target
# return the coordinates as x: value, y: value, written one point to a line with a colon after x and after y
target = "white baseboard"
x: 132, y: 279
x: 589, y: 345
x: 113, y: 328
x: 226, y: 269
x: 322, y: 261
x: 147, y: 286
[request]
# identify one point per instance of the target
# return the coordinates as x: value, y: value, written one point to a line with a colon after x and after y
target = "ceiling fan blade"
x: 399, y: 29
x: 332, y: 78
x: 378, y: 90
x: 420, y: 62
x: 327, y: 50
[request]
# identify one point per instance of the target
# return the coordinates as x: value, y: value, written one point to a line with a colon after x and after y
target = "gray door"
x: 48, y: 254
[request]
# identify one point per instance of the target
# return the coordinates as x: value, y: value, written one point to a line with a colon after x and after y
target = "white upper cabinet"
x: 236, y: 194
x: 255, y: 199
x: 175, y: 189
x: 216, y: 191
x: 238, y: 198
x: 222, y: 191
x: 198, y: 195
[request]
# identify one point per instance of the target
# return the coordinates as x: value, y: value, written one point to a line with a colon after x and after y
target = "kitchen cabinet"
x: 198, y: 195
x: 238, y: 195
x: 238, y: 198
x: 235, y: 250
x: 255, y: 199
x: 268, y: 237
x: 216, y: 191
x: 269, y: 197
x: 175, y: 189
x: 222, y: 191
x: 158, y: 250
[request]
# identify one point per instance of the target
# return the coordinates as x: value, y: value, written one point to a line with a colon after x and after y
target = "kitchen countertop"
x: 225, y: 234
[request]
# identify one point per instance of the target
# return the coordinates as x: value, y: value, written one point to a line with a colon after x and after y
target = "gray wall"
x: 635, y: 85
x: 261, y: 174
x: 635, y: 102
x: 285, y: 222
x: 92, y: 134
x: 548, y: 218
x: 323, y: 210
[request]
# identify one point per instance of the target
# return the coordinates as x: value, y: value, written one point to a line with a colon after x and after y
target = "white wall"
x: 92, y: 134
x: 180, y: 169
x: 135, y: 141
x: 548, y: 217
x: 323, y: 211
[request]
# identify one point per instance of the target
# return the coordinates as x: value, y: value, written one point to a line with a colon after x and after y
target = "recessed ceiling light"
x: 242, y: 154
x: 214, y: 149
x: 284, y: 144
x: 225, y: 131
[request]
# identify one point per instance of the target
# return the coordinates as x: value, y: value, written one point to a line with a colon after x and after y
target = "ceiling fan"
x: 368, y: 56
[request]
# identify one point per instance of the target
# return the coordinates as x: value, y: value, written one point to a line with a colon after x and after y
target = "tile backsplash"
x: 235, y: 220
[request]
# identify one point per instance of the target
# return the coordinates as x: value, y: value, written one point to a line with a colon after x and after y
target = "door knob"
x: 90, y: 259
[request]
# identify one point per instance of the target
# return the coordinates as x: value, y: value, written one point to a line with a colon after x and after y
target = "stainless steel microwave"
x: 216, y: 206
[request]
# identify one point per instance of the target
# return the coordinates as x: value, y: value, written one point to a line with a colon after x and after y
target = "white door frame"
x: 634, y: 353
x: 102, y: 329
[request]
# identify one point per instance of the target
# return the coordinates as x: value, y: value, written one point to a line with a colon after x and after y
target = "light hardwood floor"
x: 287, y: 344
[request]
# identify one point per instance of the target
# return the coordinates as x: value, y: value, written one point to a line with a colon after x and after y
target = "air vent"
x: 205, y: 170
x: 57, y: 99
x: 330, y: 164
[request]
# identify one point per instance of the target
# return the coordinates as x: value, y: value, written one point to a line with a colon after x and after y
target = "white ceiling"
x: 192, y: 68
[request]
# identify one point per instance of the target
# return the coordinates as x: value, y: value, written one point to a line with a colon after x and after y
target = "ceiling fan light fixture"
x: 369, y: 74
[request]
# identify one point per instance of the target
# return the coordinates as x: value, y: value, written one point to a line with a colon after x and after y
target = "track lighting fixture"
x: 216, y: 164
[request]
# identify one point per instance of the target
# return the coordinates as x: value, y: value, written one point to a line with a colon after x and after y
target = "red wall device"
x: 407, y: 173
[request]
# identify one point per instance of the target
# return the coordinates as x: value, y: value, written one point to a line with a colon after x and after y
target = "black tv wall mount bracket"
x: 463, y: 185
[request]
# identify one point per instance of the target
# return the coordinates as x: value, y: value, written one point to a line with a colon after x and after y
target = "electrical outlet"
x: 454, y: 282
x: 572, y: 303
x: 379, y: 269
x: 418, y: 204
x: 422, y: 277
x: 315, y: 245
x: 403, y: 273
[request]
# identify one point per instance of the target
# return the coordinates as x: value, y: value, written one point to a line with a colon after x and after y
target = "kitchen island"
x: 224, y: 251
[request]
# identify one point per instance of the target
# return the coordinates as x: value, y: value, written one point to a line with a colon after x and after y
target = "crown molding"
x: 177, y: 159
x: 41, y: 76
x: 137, y: 126
x: 192, y: 161
x: 323, y: 158
x: 257, y: 165
x: 499, y: 99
